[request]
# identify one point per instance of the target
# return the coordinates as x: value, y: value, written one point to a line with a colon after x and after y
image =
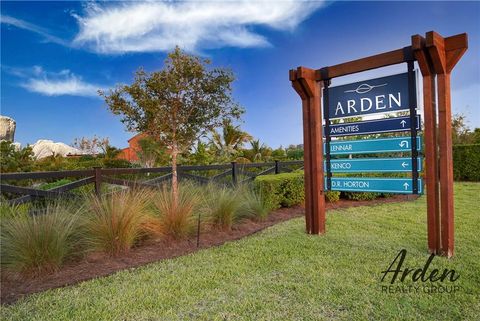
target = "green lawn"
x: 284, y: 274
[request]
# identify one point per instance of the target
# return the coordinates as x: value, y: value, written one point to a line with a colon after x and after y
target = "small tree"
x: 93, y: 146
x: 460, y: 131
x: 176, y: 105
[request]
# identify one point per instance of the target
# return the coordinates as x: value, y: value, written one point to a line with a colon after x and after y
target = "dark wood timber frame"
x: 436, y: 57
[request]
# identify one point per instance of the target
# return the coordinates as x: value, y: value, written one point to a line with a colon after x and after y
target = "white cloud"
x: 160, y: 26
x: 33, y: 28
x: 59, y: 83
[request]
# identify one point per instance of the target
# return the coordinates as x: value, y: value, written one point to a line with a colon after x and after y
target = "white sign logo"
x: 364, y: 88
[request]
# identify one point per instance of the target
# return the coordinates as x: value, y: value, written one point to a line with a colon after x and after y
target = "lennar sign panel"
x: 380, y: 95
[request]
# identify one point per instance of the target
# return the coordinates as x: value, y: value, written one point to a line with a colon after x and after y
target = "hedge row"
x: 285, y: 190
x: 466, y: 162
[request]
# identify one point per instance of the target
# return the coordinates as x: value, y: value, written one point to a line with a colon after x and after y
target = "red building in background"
x: 130, y: 153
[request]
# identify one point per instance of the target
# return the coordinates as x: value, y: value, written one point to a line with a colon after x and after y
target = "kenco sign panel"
x: 380, y: 95
x: 381, y: 185
x: 371, y: 146
x: 371, y: 165
x: 397, y: 124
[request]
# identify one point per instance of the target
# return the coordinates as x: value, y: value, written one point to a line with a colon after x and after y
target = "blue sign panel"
x: 381, y: 185
x: 370, y: 146
x: 380, y: 95
x: 372, y: 165
x: 397, y: 124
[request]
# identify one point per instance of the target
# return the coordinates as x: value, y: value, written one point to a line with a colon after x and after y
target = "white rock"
x: 45, y: 148
x: 7, y: 128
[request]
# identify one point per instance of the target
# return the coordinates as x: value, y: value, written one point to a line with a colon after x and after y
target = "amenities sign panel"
x: 387, y: 125
x: 381, y: 185
x: 380, y: 95
x: 370, y: 146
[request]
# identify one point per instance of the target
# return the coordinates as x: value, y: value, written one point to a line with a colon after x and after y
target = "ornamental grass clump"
x: 254, y: 205
x: 115, y: 221
x: 174, y: 219
x: 8, y: 211
x: 223, y: 206
x: 42, y: 243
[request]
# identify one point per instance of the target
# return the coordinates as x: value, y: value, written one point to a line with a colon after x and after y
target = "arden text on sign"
x: 370, y: 146
x: 380, y: 95
x: 397, y: 124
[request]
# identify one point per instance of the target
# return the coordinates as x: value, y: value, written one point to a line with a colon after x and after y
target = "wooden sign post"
x: 436, y: 57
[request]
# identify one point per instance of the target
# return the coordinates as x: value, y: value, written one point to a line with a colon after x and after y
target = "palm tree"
x: 260, y: 152
x: 228, y: 143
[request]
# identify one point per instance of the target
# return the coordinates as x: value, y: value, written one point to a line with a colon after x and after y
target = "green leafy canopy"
x: 178, y: 104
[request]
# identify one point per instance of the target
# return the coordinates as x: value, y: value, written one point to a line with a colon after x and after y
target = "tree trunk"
x: 174, y: 177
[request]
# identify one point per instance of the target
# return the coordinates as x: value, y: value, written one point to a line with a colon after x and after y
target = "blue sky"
x: 54, y: 55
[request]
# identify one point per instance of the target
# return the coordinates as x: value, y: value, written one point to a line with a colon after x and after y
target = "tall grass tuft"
x: 8, y: 211
x: 115, y: 220
x: 39, y: 244
x: 175, y: 220
x: 222, y: 205
x: 254, y: 205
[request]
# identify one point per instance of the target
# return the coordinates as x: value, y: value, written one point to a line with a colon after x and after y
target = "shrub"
x: 223, y: 204
x: 466, y: 162
x: 286, y: 189
x: 41, y: 243
x: 270, y: 187
x: 15, y: 160
x: 361, y: 196
x: 293, y: 189
x: 332, y: 196
x: 116, y: 163
x: 253, y: 205
x: 175, y: 221
x: 115, y: 221
x: 58, y: 183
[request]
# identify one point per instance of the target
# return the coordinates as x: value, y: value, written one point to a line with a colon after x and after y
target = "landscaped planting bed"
x: 151, y: 246
x: 284, y: 274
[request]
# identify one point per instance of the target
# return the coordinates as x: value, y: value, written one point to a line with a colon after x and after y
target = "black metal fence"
x: 234, y: 173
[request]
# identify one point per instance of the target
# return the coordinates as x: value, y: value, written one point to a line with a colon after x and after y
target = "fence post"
x: 98, y: 179
x: 277, y: 167
x: 234, y: 173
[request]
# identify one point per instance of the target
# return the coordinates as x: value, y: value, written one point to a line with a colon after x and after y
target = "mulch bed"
x: 14, y: 286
